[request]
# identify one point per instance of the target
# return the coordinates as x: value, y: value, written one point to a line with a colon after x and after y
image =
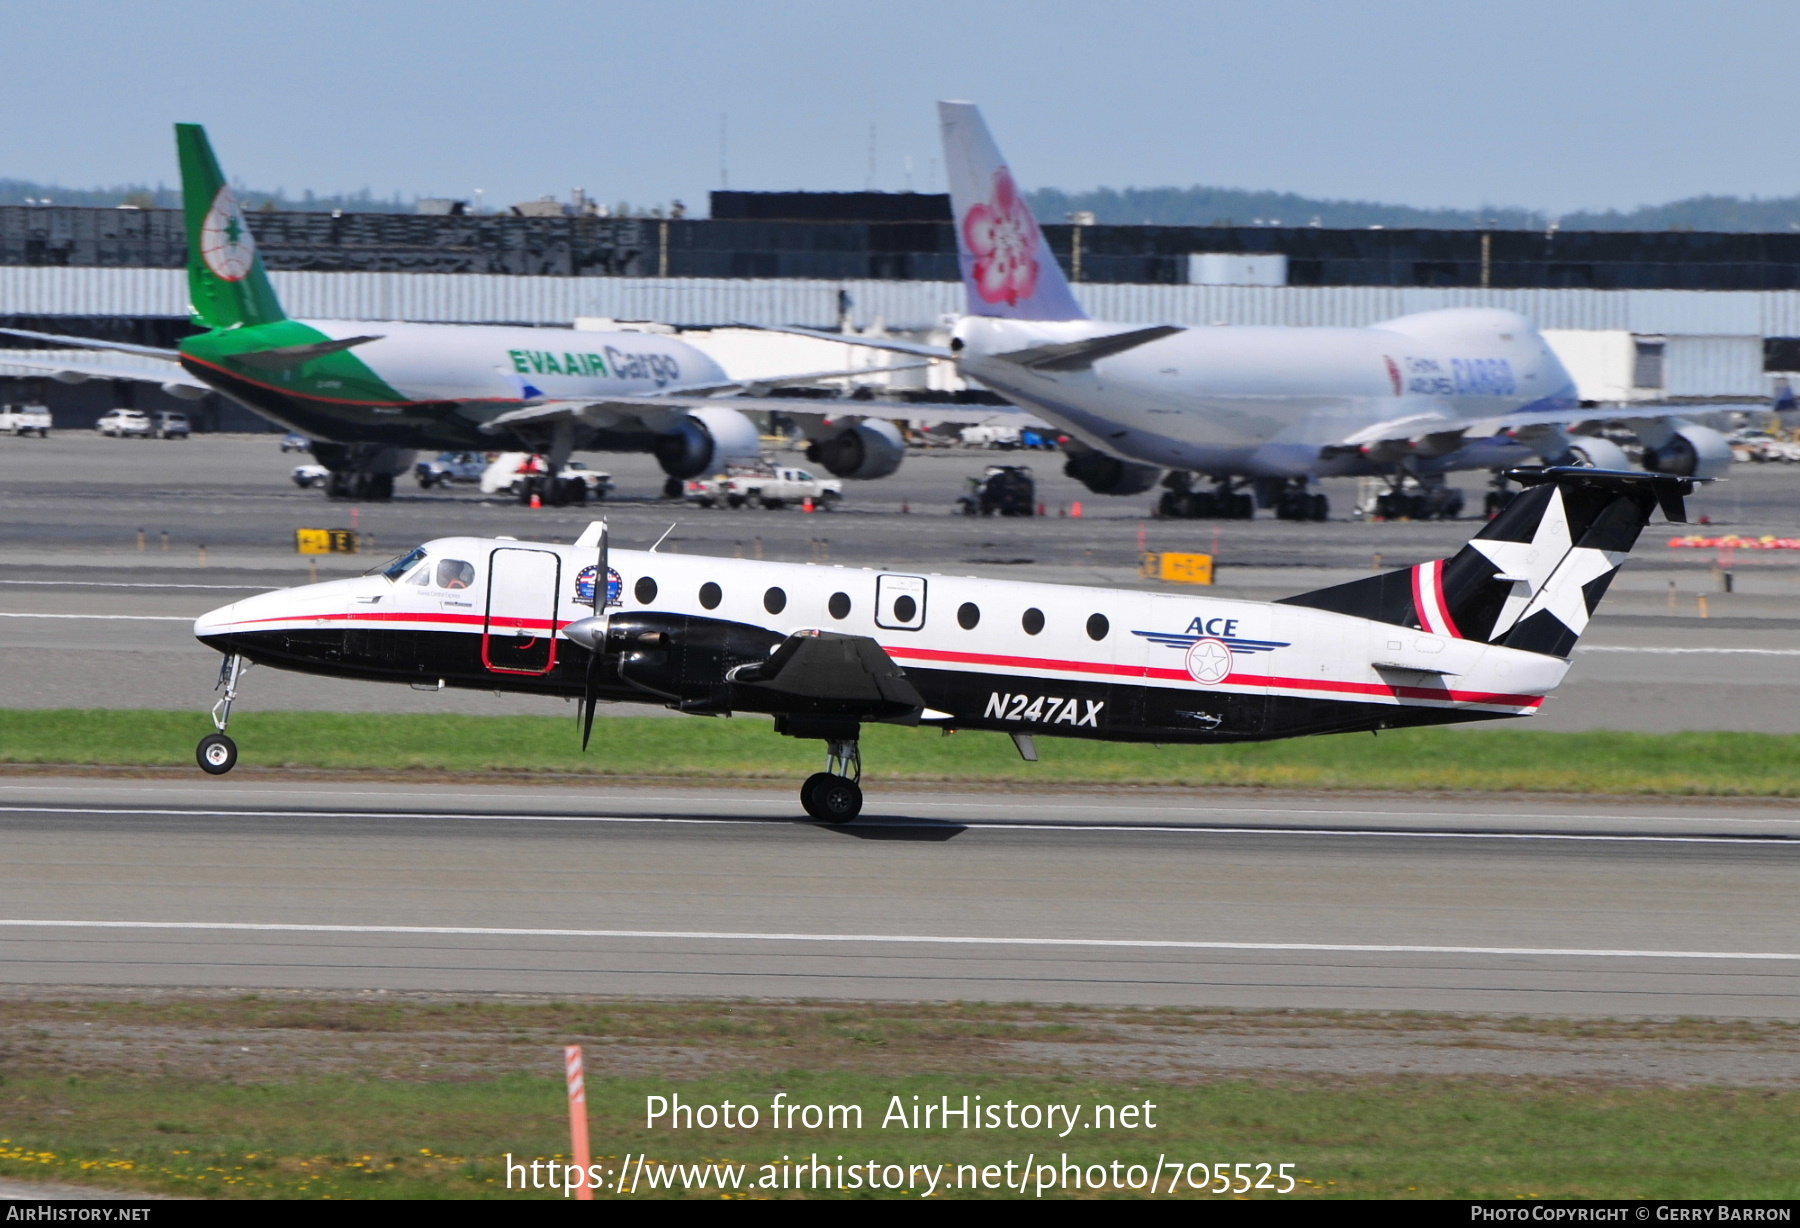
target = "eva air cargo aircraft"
x: 369, y: 392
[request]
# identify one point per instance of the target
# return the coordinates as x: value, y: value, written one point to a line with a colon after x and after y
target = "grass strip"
x: 1368, y: 1138
x: 1698, y: 764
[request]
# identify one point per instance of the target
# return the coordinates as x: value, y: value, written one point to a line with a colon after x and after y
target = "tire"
x: 806, y: 791
x: 672, y: 488
x: 773, y: 505
x: 1321, y: 508
x: 835, y: 799
x: 734, y: 502
x: 216, y: 754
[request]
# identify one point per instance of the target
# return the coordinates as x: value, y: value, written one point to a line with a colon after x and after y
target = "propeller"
x: 591, y: 634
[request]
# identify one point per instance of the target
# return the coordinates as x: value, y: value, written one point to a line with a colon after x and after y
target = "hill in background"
x: 1195, y: 206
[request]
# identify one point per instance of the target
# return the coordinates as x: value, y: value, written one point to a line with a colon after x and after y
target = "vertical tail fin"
x: 1530, y: 579
x: 1007, y: 268
x: 226, y: 280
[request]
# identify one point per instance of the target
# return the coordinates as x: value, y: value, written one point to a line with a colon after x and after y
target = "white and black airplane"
x: 1486, y: 633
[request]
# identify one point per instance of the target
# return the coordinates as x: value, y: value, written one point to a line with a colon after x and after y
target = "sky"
x: 1549, y: 105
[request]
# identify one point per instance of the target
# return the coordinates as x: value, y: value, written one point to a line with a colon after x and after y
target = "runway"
x: 1153, y: 898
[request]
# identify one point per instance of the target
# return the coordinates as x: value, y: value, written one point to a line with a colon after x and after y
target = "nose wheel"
x: 835, y: 795
x: 217, y: 754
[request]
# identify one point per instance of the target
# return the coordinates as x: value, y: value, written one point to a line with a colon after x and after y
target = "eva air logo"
x: 225, y: 242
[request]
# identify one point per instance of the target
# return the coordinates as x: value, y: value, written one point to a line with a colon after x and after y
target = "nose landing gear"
x: 835, y: 795
x: 217, y: 754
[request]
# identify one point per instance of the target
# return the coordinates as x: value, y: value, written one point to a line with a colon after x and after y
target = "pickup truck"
x: 772, y: 486
x: 25, y: 420
x: 511, y: 473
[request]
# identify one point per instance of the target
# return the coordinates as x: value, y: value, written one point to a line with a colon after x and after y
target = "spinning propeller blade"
x: 589, y: 698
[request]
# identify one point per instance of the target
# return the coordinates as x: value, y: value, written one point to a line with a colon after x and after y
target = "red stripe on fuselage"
x: 945, y: 657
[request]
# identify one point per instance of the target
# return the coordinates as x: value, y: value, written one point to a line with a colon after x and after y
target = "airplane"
x: 368, y: 392
x: 1485, y: 634
x: 1268, y: 408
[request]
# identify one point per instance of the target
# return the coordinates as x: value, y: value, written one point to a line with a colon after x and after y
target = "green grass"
x: 1415, y: 1137
x: 1702, y: 764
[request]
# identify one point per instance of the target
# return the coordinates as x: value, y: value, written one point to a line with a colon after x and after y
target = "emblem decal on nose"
x: 1208, y: 661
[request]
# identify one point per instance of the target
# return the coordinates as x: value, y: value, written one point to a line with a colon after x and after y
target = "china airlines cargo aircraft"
x: 1266, y: 408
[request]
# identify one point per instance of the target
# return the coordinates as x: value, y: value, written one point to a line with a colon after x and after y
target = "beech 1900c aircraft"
x: 366, y: 392
x: 1271, y: 408
x: 1486, y: 633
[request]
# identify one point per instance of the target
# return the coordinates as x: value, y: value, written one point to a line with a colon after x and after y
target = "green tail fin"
x: 226, y: 279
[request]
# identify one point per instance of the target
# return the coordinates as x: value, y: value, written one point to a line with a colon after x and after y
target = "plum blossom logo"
x: 1003, y: 238
x: 225, y: 241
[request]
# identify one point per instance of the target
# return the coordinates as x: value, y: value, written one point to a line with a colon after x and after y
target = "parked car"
x: 30, y: 419
x: 451, y: 467
x: 122, y: 422
x: 1002, y: 437
x: 1005, y: 490
x: 169, y: 424
x: 295, y: 442
x: 308, y: 476
x: 771, y: 486
x: 520, y: 474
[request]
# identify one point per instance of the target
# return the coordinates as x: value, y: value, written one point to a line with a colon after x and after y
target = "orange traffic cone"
x: 1075, y: 510
x: 806, y: 505
x: 536, y: 501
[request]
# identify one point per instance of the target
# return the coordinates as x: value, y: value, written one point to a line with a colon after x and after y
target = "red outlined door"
x: 519, y: 633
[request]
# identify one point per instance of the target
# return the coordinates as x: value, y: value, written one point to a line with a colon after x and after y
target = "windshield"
x: 399, y: 566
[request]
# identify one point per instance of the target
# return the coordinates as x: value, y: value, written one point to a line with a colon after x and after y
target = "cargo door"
x: 518, y: 636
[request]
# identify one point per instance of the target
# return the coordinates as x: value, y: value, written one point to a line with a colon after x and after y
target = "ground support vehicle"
x: 120, y: 423
x: 1005, y: 490
x: 308, y: 476
x: 169, y: 424
x: 293, y: 441
x: 770, y: 486
x: 451, y: 467
x: 521, y: 474
x: 30, y: 419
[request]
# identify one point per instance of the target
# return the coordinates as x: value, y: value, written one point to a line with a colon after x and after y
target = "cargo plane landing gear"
x: 217, y: 754
x: 835, y: 795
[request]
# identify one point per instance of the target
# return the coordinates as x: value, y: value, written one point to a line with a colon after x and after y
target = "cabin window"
x: 1097, y: 626
x: 645, y: 591
x: 967, y: 615
x: 711, y: 595
x: 905, y: 609
x: 839, y: 605
x: 1033, y: 622
x: 774, y: 601
x: 421, y: 577
x: 454, y: 573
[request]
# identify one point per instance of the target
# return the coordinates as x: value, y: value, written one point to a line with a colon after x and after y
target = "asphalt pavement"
x: 1140, y: 898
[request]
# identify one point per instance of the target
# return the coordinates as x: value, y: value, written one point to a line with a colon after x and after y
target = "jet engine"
x: 1108, y: 475
x: 871, y: 449
x: 1690, y: 452
x: 705, y: 439
x: 1595, y: 452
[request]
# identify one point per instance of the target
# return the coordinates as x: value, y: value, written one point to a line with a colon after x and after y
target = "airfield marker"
x: 578, y: 1120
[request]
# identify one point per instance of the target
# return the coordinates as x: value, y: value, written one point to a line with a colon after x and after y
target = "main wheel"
x: 811, y: 784
x: 216, y: 754
x: 836, y: 799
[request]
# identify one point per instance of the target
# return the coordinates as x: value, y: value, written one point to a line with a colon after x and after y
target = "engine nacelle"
x: 1108, y: 475
x: 684, y: 658
x: 872, y: 449
x: 706, y: 439
x: 1596, y: 453
x: 1691, y: 452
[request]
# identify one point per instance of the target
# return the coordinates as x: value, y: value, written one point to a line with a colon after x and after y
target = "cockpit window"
x: 454, y: 573
x: 399, y: 566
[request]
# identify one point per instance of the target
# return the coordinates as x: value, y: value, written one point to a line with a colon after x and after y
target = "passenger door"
x: 518, y: 635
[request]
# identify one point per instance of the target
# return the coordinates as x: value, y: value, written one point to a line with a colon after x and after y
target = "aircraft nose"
x: 215, y: 622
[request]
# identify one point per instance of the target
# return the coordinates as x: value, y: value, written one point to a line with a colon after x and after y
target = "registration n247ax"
x: 1484, y: 634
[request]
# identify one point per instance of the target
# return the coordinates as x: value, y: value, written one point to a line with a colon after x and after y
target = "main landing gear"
x: 834, y: 795
x: 218, y: 754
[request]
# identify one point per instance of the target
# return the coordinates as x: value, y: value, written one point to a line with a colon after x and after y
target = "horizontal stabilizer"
x: 1670, y: 489
x: 1079, y: 355
x: 284, y: 357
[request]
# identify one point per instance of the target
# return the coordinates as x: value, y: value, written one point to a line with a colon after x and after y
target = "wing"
x: 916, y: 349
x: 76, y: 372
x: 654, y: 411
x: 89, y: 343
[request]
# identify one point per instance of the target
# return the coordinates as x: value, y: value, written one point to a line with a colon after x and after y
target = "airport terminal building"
x: 1658, y: 317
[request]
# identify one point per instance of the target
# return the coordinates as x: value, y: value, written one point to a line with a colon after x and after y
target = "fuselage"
x: 984, y: 654
x: 1271, y: 401
x: 433, y: 385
